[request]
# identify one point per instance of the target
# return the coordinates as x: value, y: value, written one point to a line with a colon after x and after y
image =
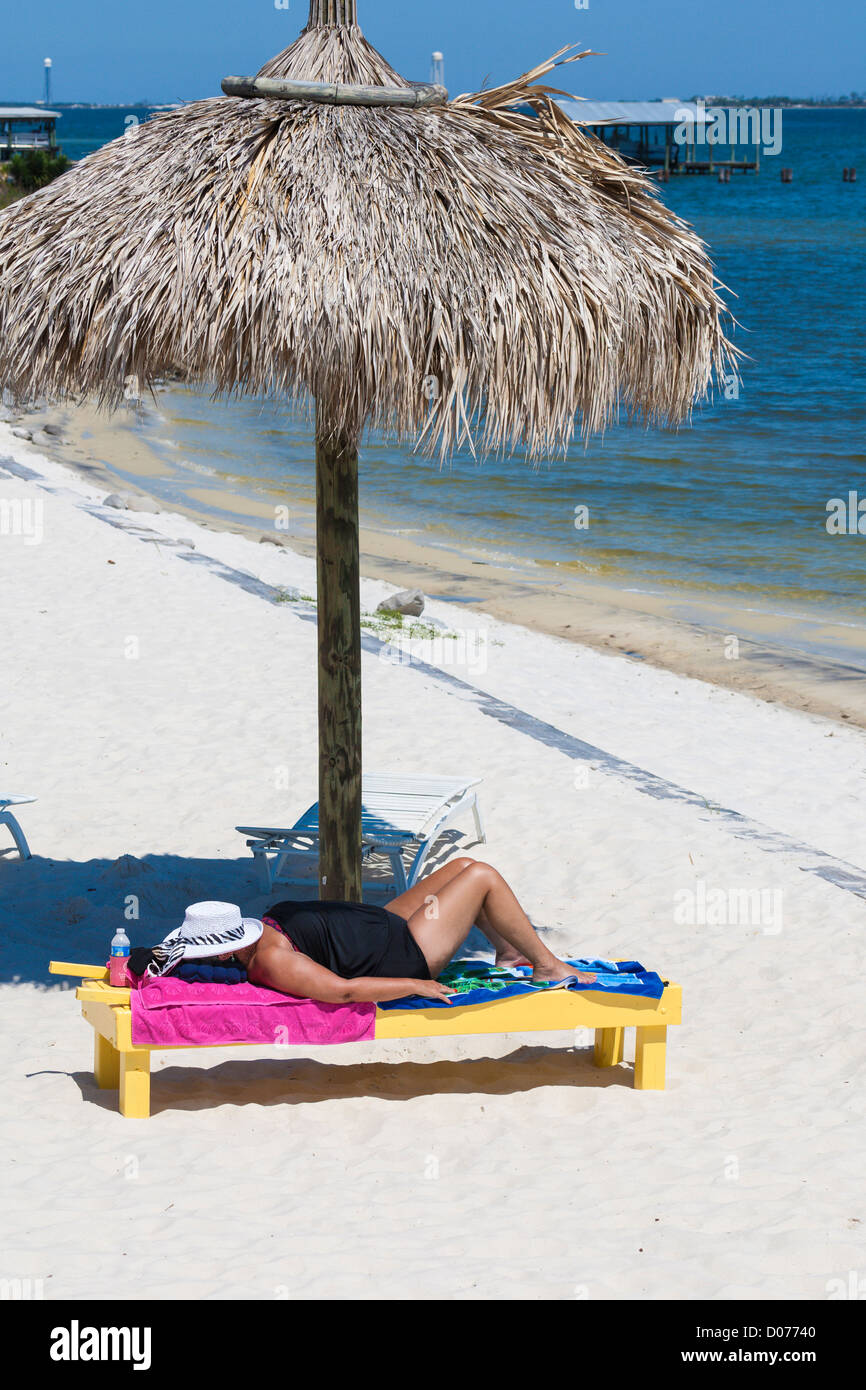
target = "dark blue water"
x: 735, y: 503
x: 83, y: 129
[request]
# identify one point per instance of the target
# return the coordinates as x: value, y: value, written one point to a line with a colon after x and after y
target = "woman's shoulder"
x: 273, y: 957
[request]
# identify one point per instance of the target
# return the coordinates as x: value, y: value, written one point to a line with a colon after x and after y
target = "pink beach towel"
x: 168, y: 1012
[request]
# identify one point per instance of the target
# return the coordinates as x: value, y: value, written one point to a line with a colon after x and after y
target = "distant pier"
x: 666, y: 137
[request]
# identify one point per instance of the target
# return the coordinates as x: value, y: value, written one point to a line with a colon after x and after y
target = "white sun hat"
x: 212, y: 929
x: 207, y: 929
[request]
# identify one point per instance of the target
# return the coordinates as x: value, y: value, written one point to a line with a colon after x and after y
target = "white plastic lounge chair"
x: 400, y: 815
x: 7, y: 818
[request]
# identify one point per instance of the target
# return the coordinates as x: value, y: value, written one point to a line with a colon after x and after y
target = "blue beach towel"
x: 479, y: 983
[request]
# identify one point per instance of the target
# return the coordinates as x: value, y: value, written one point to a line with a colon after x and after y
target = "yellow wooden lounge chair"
x: 119, y: 1065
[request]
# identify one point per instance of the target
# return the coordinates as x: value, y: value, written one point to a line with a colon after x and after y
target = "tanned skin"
x: 439, y: 912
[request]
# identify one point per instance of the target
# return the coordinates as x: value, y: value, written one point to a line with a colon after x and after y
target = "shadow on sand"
x: 60, y: 909
x: 302, y: 1080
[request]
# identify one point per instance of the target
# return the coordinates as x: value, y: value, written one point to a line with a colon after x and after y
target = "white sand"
x: 498, y: 1168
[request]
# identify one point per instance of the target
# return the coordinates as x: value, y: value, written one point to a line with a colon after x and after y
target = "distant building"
x: 669, y: 135
x: 25, y: 128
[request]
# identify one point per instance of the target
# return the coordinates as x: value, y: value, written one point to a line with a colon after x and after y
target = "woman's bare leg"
x: 443, y: 923
x: 416, y: 897
x: 429, y: 887
x: 505, y: 954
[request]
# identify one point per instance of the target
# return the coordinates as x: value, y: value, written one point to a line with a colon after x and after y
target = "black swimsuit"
x: 352, y: 939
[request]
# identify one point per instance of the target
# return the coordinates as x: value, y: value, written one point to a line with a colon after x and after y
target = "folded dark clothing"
x: 200, y: 973
x: 195, y: 971
x: 139, y: 959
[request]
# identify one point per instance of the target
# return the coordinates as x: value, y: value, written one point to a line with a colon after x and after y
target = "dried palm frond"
x: 462, y: 274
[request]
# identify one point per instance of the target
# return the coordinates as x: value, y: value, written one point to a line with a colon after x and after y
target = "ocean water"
x: 83, y: 129
x: 732, y: 505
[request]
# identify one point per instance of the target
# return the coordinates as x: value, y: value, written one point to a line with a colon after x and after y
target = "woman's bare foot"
x: 506, y: 960
x: 561, y: 970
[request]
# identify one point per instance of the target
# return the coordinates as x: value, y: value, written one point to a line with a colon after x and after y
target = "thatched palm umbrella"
x: 460, y: 272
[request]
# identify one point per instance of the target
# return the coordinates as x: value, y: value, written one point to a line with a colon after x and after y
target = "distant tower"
x: 437, y: 69
x: 48, y: 66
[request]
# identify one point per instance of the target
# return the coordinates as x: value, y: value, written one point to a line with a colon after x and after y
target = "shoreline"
x: 805, y: 662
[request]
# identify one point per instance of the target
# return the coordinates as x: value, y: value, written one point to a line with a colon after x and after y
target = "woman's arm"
x: 294, y: 973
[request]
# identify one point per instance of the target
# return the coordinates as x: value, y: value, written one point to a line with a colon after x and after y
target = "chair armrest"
x: 84, y: 972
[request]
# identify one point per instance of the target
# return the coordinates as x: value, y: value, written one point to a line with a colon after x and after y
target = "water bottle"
x: 119, y: 958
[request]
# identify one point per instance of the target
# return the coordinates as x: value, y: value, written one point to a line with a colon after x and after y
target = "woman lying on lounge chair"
x: 342, y: 952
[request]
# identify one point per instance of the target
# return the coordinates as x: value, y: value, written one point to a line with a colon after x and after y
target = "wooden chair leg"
x: 135, y: 1084
x: 106, y: 1063
x: 608, y: 1046
x: 649, y: 1059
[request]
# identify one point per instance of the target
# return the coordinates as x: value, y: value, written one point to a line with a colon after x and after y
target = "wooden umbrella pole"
x: 325, y: 14
x: 339, y: 607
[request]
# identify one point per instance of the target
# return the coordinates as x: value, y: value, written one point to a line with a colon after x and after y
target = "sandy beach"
x: 158, y: 689
x: 805, y: 661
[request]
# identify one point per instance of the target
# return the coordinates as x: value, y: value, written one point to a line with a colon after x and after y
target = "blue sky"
x: 167, y: 50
